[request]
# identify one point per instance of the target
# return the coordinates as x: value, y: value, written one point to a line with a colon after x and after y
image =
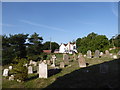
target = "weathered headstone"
x: 79, y: 55
x: 81, y: 61
x: 48, y: 62
x: 89, y: 54
x: 118, y: 53
x: 31, y: 62
x: 74, y: 56
x: 43, y: 70
x: 34, y: 63
x: 62, y: 65
x: 66, y: 58
x: 5, y: 72
x: 107, y: 52
x: 10, y: 67
x: 30, y: 70
x: 11, y: 77
x: 103, y: 68
x: 97, y: 54
x: 115, y: 56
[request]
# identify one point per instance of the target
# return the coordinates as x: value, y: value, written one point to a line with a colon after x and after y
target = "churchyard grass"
x: 35, y: 82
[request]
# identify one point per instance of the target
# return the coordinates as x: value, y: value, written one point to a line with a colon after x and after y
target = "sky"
x: 60, y: 21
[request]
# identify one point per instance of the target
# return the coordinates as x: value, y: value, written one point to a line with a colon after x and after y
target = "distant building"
x: 68, y: 48
x: 47, y: 51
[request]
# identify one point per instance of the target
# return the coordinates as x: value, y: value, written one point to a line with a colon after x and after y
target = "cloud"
x: 41, y: 25
x: 7, y: 25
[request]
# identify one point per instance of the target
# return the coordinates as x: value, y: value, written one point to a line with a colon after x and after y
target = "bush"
x: 20, y: 71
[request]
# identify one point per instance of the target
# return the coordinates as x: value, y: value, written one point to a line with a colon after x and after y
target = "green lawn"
x: 73, y: 76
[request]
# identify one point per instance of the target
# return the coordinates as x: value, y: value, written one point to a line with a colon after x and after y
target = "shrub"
x: 20, y: 71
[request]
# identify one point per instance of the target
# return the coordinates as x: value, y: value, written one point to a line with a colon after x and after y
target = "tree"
x: 17, y: 41
x: 92, y: 42
x: 54, y: 45
x: 35, y: 44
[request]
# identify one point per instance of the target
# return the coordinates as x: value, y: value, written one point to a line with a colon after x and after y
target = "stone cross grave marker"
x: 62, y: 65
x: 5, y: 72
x: 81, y: 61
x: 30, y: 69
x: 66, y: 58
x: 89, y: 54
x: 97, y: 54
x: 53, y: 59
x: 43, y: 70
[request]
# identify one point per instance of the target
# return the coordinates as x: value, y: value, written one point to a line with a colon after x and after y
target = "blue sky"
x: 62, y: 21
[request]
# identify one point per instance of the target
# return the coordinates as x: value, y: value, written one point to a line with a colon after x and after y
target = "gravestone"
x: 118, y: 53
x: 103, y: 68
x: 11, y: 77
x: 97, y: 54
x: 79, y: 55
x: 89, y: 54
x: 114, y: 56
x: 84, y: 55
x: 38, y: 69
x: 5, y: 72
x: 81, y: 62
x: 62, y: 65
x: 34, y: 63
x: 101, y: 53
x: 30, y: 69
x: 48, y: 62
x: 10, y: 67
x: 30, y: 62
x: 74, y: 56
x: 107, y: 53
x: 43, y: 70
x: 66, y: 58
x: 53, y: 59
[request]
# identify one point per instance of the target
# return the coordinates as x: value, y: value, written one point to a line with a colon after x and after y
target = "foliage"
x: 54, y: 45
x: 92, y: 42
x: 35, y: 44
x: 115, y: 40
x: 20, y: 71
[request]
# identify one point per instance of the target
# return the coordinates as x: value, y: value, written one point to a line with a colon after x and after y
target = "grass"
x: 70, y: 76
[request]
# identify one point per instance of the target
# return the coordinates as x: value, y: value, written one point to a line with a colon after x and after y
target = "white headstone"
x: 5, y: 72
x: 101, y: 53
x: 43, y: 70
x: 10, y: 67
x: 30, y: 70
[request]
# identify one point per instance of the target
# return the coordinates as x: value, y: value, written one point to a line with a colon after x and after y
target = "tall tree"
x: 35, y: 45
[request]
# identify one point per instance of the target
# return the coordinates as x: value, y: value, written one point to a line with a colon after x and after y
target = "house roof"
x: 47, y: 51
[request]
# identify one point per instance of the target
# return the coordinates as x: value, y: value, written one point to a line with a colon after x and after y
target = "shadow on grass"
x: 96, y: 76
x: 53, y: 72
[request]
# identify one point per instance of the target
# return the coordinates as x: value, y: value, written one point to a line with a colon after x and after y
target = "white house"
x: 68, y: 48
